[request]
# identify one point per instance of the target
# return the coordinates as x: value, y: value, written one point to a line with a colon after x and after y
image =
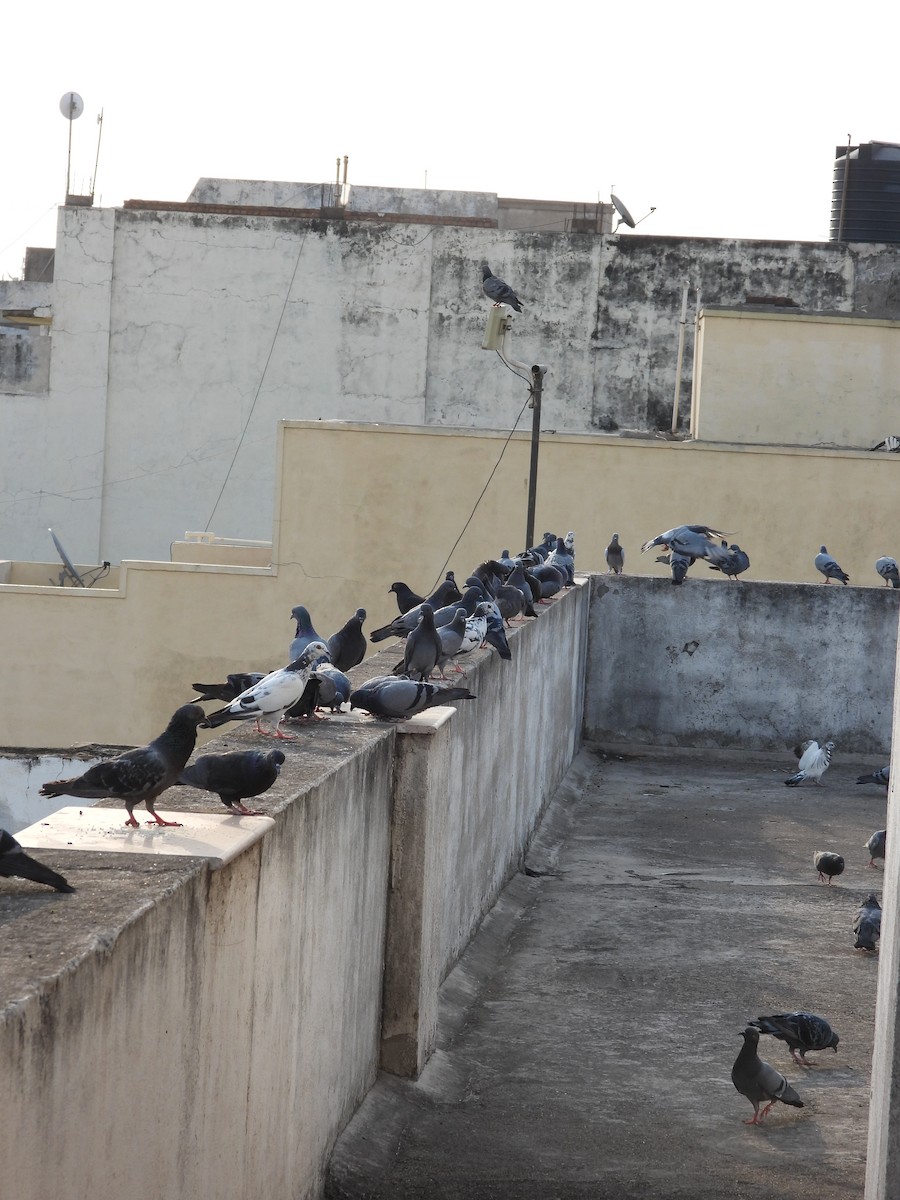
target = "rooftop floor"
x: 588, y: 1034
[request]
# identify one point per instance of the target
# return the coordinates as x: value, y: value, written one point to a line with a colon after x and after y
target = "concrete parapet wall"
x: 170, y: 1030
x: 752, y: 665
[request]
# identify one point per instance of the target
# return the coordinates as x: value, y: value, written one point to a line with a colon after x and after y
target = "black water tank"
x: 871, y: 200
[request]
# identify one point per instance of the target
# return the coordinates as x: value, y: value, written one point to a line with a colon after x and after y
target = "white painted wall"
x: 21, y: 776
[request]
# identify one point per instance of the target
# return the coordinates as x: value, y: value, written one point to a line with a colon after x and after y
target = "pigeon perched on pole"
x: 882, y: 777
x: 397, y: 699
x: 141, y: 774
x: 829, y: 567
x: 615, y: 557
x: 828, y: 864
x: 234, y: 777
x: 802, y: 1031
x: 14, y: 862
x: 268, y: 699
x: 876, y: 846
x: 888, y: 570
x: 497, y: 291
x: 867, y: 924
x: 347, y: 647
x: 759, y: 1081
x: 814, y: 762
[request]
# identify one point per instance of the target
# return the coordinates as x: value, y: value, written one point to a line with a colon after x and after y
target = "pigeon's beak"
x: 204, y: 725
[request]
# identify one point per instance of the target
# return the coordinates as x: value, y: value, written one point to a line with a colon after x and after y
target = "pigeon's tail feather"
x: 223, y: 715
x: 796, y: 780
x: 787, y: 1095
x: 380, y: 635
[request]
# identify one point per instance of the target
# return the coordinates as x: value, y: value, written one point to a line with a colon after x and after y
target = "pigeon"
x: 679, y: 563
x: 14, y: 862
x: 334, y: 686
x: 233, y: 686
x: 891, y: 443
x: 140, y: 774
x: 759, y: 1081
x: 814, y: 762
x: 423, y: 648
x: 234, y: 777
x: 615, y: 557
x: 693, y: 540
x: 347, y: 647
x: 406, y: 597
x: 445, y: 593
x: 403, y: 625
x: 828, y: 864
x: 802, y: 1031
x: 304, y: 635
x: 882, y: 776
x: 398, y: 699
x: 731, y: 563
x: 497, y: 291
x: 268, y: 699
x: 867, y: 923
x: 452, y: 637
x: 564, y: 560
x: 543, y: 548
x: 876, y: 846
x: 476, y: 632
x: 888, y: 570
x: 550, y: 578
x: 829, y: 568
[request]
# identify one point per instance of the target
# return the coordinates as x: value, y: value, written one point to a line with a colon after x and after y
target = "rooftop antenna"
x: 71, y: 573
x: 625, y: 217
x: 97, y: 159
x: 71, y: 106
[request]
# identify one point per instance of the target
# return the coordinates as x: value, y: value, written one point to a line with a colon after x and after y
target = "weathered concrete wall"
x: 180, y: 338
x: 801, y: 380
x: 217, y: 1029
x: 755, y: 665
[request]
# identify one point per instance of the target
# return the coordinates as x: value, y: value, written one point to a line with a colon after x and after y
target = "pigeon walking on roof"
x: 615, y: 557
x: 814, y: 762
x: 802, y: 1031
x: 867, y: 924
x: 396, y: 699
x: 14, y: 862
x: 876, y: 846
x: 304, y: 634
x: 888, y: 570
x: 141, y: 774
x: 693, y: 540
x: 829, y: 865
x: 267, y: 700
x: 882, y: 776
x: 759, y: 1081
x: 829, y: 567
x: 498, y: 291
x: 234, y: 777
x: 347, y: 647
x: 233, y: 686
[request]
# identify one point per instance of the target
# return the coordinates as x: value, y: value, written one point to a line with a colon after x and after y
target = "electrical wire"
x: 262, y: 378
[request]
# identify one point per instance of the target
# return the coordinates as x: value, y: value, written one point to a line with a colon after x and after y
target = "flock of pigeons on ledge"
x: 437, y: 632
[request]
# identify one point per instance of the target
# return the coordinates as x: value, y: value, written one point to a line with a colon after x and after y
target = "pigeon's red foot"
x: 247, y: 812
x: 133, y: 822
x: 754, y: 1120
x: 284, y: 737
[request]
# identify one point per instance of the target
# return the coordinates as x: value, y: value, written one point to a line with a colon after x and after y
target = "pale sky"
x: 724, y: 117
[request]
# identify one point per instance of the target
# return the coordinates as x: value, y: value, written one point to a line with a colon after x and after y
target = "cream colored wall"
x: 360, y: 506
x: 791, y: 379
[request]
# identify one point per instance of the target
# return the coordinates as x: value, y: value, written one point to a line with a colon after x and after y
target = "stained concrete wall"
x: 179, y: 338
x: 799, y: 380
x: 759, y: 666
x: 216, y: 1029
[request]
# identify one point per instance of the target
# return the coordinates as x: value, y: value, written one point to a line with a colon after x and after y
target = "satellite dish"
x: 624, y: 214
x: 68, y: 571
x: 71, y: 106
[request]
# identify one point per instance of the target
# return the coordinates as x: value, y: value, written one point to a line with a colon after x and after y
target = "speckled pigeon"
x: 267, y: 700
x: 802, y: 1031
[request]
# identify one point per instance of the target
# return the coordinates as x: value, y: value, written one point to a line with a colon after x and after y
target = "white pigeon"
x: 890, y: 443
x: 267, y: 700
x: 814, y: 762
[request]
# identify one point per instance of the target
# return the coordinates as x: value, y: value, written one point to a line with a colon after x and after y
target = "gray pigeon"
x: 334, y: 686
x: 679, y: 563
x: 140, y: 774
x: 759, y: 1081
x: 497, y: 291
x: 888, y: 570
x: 304, y: 634
x: 695, y: 541
x: 732, y: 561
x: 396, y: 699
x: 347, y: 647
x: 405, y: 596
x: 867, y: 923
x: 234, y: 777
x: 14, y: 862
x: 615, y: 557
x: 233, y: 686
x: 829, y: 568
x: 452, y: 637
x: 814, y: 762
x: 562, y: 558
x: 802, y: 1031
x: 423, y: 648
x: 828, y: 864
x: 882, y: 776
x: 876, y: 846
x: 268, y: 699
